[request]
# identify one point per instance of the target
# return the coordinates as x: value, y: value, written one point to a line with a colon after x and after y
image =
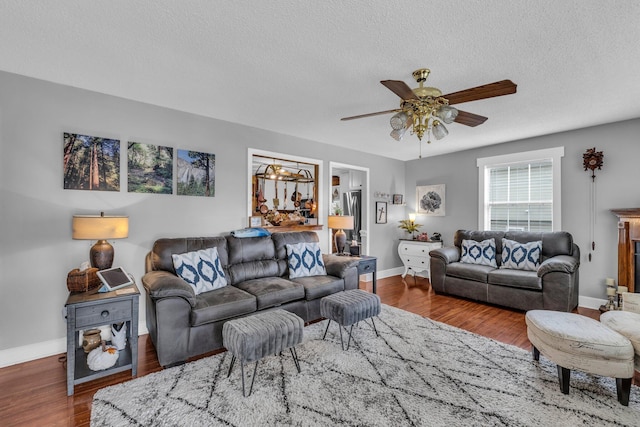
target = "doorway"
x: 350, y: 196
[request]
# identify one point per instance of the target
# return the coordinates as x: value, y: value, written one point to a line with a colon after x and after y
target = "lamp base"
x: 101, y: 255
x: 340, y: 240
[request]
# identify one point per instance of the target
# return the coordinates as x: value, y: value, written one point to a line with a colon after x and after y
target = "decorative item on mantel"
x: 592, y: 160
x: 409, y: 225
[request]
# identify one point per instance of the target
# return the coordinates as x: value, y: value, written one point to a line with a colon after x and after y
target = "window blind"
x: 520, y: 196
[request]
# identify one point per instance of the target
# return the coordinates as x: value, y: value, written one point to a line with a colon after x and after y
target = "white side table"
x: 415, y: 255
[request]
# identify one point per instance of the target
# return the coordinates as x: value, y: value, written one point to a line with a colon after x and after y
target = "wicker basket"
x: 82, y: 281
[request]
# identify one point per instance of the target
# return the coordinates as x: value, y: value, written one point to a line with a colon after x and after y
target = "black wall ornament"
x: 592, y: 160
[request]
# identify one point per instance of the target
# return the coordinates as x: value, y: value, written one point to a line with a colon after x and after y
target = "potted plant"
x: 410, y: 226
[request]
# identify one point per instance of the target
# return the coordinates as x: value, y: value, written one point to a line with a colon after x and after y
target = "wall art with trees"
x: 91, y: 163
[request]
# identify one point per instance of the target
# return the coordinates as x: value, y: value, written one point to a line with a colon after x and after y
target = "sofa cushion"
x: 515, y: 278
x: 475, y: 272
x: 320, y: 286
x: 272, y: 291
x: 201, y: 269
x: 482, y: 253
x: 521, y: 256
x: 220, y: 304
x: 479, y: 236
x: 305, y: 259
x: 160, y: 257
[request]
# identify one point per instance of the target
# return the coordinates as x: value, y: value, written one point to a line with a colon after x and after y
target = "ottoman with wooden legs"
x: 575, y: 342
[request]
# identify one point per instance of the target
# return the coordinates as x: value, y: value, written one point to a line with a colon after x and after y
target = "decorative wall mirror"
x: 284, y: 192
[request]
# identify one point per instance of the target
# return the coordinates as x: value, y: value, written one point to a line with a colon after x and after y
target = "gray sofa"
x: 182, y: 324
x: 554, y: 286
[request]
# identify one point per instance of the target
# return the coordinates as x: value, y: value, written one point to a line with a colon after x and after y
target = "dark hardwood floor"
x: 34, y: 393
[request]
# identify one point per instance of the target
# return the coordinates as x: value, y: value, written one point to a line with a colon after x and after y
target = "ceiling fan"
x: 424, y: 108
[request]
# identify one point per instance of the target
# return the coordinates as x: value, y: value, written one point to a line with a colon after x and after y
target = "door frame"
x: 364, y: 231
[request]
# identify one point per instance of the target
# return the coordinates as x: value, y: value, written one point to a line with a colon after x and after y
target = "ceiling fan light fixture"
x: 399, y: 121
x: 398, y: 134
x: 439, y: 130
x: 447, y: 114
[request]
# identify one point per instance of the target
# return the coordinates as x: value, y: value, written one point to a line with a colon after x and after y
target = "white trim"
x: 29, y: 352
x: 555, y: 154
x: 364, y: 201
x: 589, y: 302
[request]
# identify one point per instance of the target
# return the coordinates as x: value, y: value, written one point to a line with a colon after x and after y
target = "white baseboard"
x: 589, y: 302
x: 27, y: 353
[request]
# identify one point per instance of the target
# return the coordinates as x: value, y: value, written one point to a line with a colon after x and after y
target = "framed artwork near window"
x: 381, y: 212
x: 430, y: 199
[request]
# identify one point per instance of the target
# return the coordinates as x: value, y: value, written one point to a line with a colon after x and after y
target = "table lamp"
x: 100, y: 228
x: 340, y: 223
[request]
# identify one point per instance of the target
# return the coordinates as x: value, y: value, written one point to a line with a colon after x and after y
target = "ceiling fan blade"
x: 400, y: 88
x: 503, y: 87
x: 370, y: 114
x: 469, y: 119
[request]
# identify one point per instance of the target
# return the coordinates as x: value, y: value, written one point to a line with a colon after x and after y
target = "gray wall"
x: 35, y: 217
x: 616, y: 187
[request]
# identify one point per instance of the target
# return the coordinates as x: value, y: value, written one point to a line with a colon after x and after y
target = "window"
x: 520, y: 191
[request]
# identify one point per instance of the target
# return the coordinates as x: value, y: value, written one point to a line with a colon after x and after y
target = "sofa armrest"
x: 162, y: 284
x: 338, y: 265
x: 560, y: 264
x: 447, y: 254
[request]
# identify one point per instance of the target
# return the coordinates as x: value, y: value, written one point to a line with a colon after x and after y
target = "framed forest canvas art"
x: 91, y: 163
x: 150, y: 168
x: 196, y: 173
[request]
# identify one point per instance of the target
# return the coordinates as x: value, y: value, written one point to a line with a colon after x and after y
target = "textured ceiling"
x: 296, y: 67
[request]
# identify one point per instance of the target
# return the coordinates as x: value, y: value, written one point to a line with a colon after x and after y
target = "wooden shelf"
x: 281, y: 229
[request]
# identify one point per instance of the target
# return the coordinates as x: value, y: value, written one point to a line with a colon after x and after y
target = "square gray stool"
x: 348, y: 308
x: 253, y: 337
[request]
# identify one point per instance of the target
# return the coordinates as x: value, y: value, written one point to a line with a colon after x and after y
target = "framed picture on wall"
x: 430, y: 199
x: 397, y: 199
x: 381, y: 212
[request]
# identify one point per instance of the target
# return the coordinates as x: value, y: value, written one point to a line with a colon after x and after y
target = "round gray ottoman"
x: 253, y: 337
x: 348, y: 308
x: 572, y: 341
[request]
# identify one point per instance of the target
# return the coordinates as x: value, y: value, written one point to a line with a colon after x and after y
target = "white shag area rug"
x: 417, y: 373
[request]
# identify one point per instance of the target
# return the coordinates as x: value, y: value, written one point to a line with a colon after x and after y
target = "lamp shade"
x: 340, y: 222
x: 96, y: 227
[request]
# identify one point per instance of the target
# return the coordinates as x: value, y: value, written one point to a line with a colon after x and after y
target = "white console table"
x: 415, y: 255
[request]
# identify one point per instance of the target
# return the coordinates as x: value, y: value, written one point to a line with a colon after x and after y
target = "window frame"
x: 554, y: 154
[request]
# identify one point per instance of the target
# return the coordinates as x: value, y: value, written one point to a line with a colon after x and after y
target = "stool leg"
x: 350, y: 331
x: 325, y: 331
x: 374, y: 327
x: 341, y: 343
x: 623, y: 385
x: 294, y: 354
x: 564, y: 376
x: 536, y: 353
x: 233, y: 360
x: 252, y: 379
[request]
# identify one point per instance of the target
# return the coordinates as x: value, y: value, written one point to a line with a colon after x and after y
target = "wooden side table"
x: 91, y: 309
x: 368, y: 264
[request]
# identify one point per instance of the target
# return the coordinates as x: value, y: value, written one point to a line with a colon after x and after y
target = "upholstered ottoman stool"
x: 627, y: 324
x: 577, y: 342
x: 348, y: 308
x: 253, y: 337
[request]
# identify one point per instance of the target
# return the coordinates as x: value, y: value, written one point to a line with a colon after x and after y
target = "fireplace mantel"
x: 628, y: 234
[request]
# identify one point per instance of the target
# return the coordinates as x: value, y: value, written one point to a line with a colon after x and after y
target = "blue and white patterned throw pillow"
x: 201, y: 269
x: 305, y: 259
x: 521, y: 256
x: 482, y: 253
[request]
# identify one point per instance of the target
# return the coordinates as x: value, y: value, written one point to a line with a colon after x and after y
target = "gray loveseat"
x: 182, y: 324
x: 554, y: 286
